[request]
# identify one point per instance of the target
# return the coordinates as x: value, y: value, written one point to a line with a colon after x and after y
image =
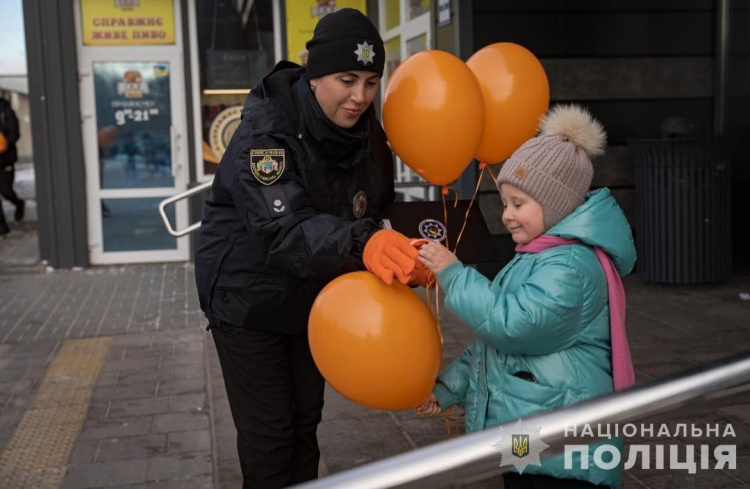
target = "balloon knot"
x: 482, y: 165
x: 446, y: 190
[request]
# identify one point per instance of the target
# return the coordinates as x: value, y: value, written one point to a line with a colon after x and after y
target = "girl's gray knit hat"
x: 555, y: 167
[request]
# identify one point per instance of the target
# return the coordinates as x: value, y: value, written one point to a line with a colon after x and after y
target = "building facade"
x: 136, y: 99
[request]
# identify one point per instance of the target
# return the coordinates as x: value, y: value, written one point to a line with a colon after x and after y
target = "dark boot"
x: 20, y: 208
x: 4, y: 229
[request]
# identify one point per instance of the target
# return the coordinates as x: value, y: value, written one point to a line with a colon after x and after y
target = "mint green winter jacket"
x: 545, y: 313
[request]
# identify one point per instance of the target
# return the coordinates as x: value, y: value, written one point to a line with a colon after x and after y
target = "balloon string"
x: 445, y: 192
x: 437, y: 321
x: 449, y: 416
x: 435, y: 310
x: 483, y: 166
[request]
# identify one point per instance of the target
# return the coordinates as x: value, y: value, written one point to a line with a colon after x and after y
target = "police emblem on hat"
x: 365, y: 53
x: 433, y: 229
x: 359, y: 204
x: 267, y: 165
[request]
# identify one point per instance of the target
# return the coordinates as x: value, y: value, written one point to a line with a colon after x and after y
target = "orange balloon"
x: 376, y: 344
x: 433, y: 114
x: 516, y: 95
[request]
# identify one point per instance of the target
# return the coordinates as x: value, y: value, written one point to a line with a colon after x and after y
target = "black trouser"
x: 528, y: 481
x: 7, y: 175
x: 276, y: 396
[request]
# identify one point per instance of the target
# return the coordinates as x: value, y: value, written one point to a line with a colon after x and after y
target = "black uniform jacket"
x: 280, y: 223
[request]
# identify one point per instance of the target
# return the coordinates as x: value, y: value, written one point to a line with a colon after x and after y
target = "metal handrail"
x: 472, y: 457
x: 207, y: 185
x: 183, y: 195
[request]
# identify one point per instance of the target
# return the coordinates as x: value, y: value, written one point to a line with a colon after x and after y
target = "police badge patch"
x: 267, y: 165
x: 433, y: 229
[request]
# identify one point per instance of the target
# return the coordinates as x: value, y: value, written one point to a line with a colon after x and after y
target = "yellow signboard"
x: 301, y: 17
x: 127, y: 22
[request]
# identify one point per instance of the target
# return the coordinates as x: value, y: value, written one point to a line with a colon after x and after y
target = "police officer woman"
x: 293, y: 205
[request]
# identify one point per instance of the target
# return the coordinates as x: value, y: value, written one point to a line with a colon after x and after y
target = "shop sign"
x: 127, y: 22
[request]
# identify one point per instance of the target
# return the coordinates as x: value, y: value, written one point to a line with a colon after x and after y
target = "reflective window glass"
x: 417, y: 8
x: 416, y: 44
x: 135, y: 225
x: 392, y: 14
x: 392, y: 56
x: 236, y: 49
x: 133, y: 115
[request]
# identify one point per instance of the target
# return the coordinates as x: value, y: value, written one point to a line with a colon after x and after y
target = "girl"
x: 550, y: 327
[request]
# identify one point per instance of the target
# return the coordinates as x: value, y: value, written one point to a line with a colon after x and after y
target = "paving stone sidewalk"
x: 158, y: 418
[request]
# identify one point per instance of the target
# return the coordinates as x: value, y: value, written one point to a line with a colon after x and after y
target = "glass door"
x: 132, y: 105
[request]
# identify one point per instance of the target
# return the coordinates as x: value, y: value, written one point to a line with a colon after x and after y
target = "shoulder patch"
x: 267, y: 165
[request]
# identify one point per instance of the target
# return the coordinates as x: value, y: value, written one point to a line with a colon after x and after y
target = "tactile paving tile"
x: 37, y: 453
x: 36, y: 479
x: 52, y: 394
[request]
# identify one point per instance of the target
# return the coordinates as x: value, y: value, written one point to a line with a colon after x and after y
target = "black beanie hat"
x: 345, y: 40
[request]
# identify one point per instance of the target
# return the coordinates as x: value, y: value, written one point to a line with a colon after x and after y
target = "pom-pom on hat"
x: 345, y: 40
x: 555, y: 167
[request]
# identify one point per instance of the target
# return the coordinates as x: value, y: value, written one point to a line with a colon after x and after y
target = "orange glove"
x: 421, y: 276
x: 389, y: 253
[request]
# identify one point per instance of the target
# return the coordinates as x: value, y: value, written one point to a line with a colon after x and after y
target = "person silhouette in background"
x: 8, y: 157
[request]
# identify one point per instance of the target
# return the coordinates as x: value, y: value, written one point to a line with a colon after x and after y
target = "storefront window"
x: 392, y: 14
x: 416, y: 44
x: 133, y: 113
x: 236, y: 49
x: 392, y: 56
x: 418, y: 7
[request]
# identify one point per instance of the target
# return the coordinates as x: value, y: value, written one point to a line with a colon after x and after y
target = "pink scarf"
x: 622, y: 365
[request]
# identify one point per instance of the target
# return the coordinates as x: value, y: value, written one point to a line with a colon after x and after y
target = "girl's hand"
x: 436, y: 257
x: 430, y: 407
